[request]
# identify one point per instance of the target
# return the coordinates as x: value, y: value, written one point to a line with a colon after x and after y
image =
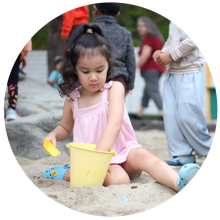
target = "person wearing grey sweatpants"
x: 184, y: 120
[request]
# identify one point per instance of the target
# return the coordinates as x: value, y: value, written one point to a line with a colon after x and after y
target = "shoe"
x: 134, y: 116
x: 180, y: 161
x: 186, y: 174
x: 11, y: 114
x: 56, y: 172
x: 160, y: 118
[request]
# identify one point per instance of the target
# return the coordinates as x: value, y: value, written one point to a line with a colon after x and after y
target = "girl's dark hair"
x: 82, y: 43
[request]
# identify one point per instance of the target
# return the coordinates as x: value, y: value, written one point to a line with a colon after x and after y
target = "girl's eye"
x: 97, y: 71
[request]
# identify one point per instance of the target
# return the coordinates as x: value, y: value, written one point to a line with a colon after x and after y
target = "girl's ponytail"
x: 83, y: 43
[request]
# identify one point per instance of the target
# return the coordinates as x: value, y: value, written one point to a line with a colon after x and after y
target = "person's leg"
x: 116, y: 175
x: 145, y: 97
x: 152, y: 84
x: 177, y: 143
x: 191, y: 116
x: 67, y: 176
x: 13, y: 84
x: 142, y: 160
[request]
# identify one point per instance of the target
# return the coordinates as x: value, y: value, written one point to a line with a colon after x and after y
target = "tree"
x: 55, y: 46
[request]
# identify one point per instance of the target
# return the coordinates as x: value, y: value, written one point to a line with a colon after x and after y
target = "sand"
x: 106, y: 201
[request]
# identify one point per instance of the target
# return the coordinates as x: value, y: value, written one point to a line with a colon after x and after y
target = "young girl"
x: 97, y: 112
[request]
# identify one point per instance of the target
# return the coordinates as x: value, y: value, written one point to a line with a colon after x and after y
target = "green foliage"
x: 39, y: 40
x: 128, y: 19
x: 130, y: 14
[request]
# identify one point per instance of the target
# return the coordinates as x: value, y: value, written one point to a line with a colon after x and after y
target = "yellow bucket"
x: 88, y: 166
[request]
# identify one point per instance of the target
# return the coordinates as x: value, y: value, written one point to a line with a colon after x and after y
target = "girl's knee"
x: 114, y: 179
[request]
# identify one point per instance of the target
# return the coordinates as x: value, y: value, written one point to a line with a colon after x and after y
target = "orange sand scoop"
x: 50, y: 149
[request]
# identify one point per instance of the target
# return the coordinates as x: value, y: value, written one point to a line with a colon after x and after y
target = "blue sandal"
x: 186, y: 173
x: 56, y: 172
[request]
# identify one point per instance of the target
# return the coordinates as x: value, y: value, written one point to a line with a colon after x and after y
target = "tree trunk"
x: 55, y: 45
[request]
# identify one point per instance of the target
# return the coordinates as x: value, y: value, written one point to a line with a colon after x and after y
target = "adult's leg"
x: 145, y: 97
x: 13, y: 84
x: 152, y: 86
x: 177, y: 143
x: 191, y: 117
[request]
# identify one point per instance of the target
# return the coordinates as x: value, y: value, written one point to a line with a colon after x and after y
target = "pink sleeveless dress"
x: 91, y: 121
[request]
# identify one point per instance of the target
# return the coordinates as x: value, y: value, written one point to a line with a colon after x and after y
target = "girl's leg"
x: 141, y: 159
x: 67, y: 176
x: 116, y: 175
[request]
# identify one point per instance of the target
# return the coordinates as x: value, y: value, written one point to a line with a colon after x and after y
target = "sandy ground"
x: 105, y: 201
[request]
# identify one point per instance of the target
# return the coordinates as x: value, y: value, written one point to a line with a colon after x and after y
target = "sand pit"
x: 105, y: 201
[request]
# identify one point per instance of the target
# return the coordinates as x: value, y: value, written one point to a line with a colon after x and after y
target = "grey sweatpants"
x: 184, y: 120
x: 151, y: 89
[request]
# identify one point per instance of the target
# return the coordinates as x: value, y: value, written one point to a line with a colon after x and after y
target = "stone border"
x: 159, y: 125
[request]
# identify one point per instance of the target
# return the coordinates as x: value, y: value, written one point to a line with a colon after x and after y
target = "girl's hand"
x: 51, y: 138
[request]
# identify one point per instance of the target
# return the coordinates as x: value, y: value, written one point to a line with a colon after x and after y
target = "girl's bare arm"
x: 66, y: 125
x: 115, y: 115
x: 64, y: 129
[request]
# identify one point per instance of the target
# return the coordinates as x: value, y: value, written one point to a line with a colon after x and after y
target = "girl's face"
x: 92, y: 71
x: 142, y: 29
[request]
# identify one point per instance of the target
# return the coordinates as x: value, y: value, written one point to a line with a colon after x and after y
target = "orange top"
x: 26, y: 48
x: 74, y: 17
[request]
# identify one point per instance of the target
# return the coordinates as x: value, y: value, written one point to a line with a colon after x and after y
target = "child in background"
x: 98, y: 114
x: 55, y: 76
x: 184, y: 120
x: 124, y: 65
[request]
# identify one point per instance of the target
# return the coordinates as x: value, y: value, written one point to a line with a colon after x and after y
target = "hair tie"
x: 89, y: 31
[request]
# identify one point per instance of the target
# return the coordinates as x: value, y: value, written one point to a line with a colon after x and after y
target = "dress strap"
x: 75, y: 95
x: 105, y: 95
x: 105, y: 89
